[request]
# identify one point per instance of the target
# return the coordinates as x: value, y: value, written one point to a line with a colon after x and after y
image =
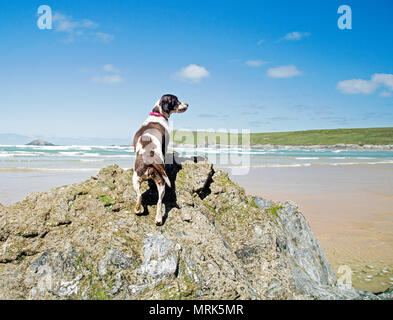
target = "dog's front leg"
x: 161, y: 192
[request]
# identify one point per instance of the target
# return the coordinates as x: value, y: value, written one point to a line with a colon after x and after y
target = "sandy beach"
x: 350, y: 208
x: 16, y: 185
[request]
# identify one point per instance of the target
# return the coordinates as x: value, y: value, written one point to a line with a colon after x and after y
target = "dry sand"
x: 16, y: 185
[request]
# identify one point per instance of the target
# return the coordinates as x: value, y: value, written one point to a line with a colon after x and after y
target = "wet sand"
x: 16, y: 185
x: 350, y: 209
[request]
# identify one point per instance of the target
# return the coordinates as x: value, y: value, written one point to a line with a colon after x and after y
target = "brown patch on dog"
x: 140, y: 166
x: 155, y: 129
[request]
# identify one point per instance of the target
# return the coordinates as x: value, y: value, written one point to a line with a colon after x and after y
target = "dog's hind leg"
x: 160, y: 183
x: 136, y: 182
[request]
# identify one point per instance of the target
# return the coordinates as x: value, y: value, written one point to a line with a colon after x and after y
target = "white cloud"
x: 361, y: 86
x: 78, y: 29
x: 283, y: 72
x: 255, y: 63
x: 63, y: 23
x: 296, y: 35
x: 108, y: 79
x: 104, y: 37
x: 259, y: 42
x: 110, y: 68
x: 385, y: 94
x: 110, y: 75
x: 357, y: 86
x: 384, y: 79
x: 193, y: 73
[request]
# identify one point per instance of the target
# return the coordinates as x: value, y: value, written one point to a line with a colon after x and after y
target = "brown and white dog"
x: 150, y: 145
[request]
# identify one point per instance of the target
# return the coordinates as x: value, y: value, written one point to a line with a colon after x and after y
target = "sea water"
x: 92, y: 158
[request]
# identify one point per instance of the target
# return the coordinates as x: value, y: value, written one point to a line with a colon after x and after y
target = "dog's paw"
x: 138, y: 211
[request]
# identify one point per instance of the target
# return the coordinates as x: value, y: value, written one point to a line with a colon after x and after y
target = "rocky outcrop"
x: 39, y: 142
x: 83, y: 241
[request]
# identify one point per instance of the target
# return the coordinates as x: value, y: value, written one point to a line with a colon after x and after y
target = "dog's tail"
x: 160, y: 168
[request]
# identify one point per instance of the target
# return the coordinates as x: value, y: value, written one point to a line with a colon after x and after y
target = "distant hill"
x: 39, y: 142
x: 362, y: 136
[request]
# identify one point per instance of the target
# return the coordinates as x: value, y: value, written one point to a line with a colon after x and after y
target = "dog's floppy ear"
x: 165, y: 103
x: 168, y: 103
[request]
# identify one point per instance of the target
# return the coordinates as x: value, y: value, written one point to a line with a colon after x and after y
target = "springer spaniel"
x: 150, y: 145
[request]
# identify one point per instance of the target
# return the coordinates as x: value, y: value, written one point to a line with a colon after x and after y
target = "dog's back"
x: 150, y: 144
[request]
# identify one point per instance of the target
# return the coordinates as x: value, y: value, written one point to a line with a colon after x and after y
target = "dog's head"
x: 169, y: 104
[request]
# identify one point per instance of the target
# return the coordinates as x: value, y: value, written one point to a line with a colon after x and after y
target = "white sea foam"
x: 78, y: 154
x: 336, y: 158
x: 365, y: 158
x: 297, y: 165
x: 91, y: 160
x: 270, y: 165
x: 125, y: 156
x: 360, y: 163
x: 28, y: 154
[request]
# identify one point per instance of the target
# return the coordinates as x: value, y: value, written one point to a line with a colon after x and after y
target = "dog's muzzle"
x: 182, y: 107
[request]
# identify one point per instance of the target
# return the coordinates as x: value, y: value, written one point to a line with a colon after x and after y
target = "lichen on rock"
x: 83, y: 241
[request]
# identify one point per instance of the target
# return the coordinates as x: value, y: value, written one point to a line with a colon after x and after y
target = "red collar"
x: 157, y: 115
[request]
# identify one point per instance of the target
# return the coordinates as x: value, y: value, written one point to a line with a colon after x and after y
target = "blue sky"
x: 259, y: 65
